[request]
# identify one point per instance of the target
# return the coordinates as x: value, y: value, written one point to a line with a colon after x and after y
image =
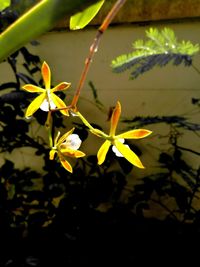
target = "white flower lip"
x: 116, y: 151
x: 72, y: 142
x: 45, y: 105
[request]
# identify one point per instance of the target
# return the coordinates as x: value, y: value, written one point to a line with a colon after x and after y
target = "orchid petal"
x: 46, y: 74
x: 128, y: 154
x: 101, y: 155
x: 65, y: 164
x: 135, y: 134
x: 116, y: 151
x: 59, y: 104
x: 64, y: 136
x: 115, y: 118
x: 52, y: 154
x: 33, y: 89
x: 61, y: 86
x: 79, y: 154
x: 72, y: 153
x: 34, y: 105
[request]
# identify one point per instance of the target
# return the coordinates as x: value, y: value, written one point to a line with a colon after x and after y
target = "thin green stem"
x: 49, y: 125
x: 92, y: 129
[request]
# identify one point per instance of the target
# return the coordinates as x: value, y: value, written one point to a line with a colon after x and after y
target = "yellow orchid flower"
x: 47, y: 100
x: 117, y: 140
x: 66, y: 146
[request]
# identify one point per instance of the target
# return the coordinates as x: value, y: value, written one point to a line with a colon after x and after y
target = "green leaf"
x: 4, y: 4
x: 81, y: 19
x: 36, y: 21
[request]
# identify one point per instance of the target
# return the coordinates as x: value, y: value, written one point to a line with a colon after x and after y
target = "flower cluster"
x: 68, y: 145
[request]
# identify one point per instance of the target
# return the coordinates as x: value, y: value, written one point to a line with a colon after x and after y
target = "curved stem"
x: 92, y: 129
x: 85, y: 122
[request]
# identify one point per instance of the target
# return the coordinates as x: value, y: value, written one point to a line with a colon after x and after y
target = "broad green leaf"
x: 81, y: 19
x: 4, y: 4
x: 36, y: 21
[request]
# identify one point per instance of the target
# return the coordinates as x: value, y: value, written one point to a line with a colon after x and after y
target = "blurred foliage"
x: 13, y: 11
x: 160, y: 49
x: 4, y: 4
x: 44, y: 15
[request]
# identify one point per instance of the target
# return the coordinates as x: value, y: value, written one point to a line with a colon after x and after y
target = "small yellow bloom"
x: 47, y: 100
x: 117, y: 140
x: 66, y: 146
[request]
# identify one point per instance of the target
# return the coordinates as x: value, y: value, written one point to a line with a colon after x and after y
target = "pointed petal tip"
x: 118, y: 104
x: 147, y: 132
x: 128, y: 154
x: 65, y: 112
x: 140, y: 166
x: 71, y: 170
x: 26, y: 86
x: 135, y: 134
x: 115, y: 118
x: 66, y: 164
x: 28, y: 117
x: 46, y: 74
x: 80, y: 154
x: 45, y: 63
x: 100, y: 161
x: 61, y: 87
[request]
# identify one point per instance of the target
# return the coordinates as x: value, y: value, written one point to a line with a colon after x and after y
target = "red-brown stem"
x: 110, y: 16
x: 93, y: 49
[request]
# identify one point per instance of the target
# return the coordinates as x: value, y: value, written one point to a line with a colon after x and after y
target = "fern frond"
x: 160, y: 49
